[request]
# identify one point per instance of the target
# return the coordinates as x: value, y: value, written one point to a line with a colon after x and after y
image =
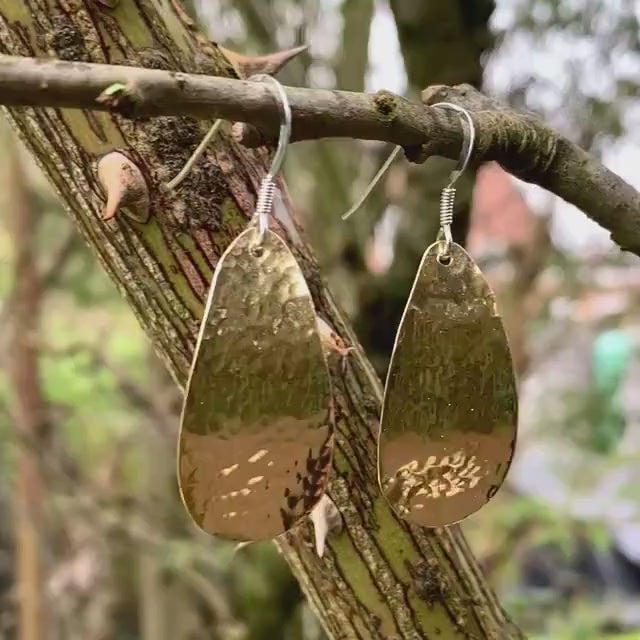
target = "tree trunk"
x: 27, y: 403
x: 379, y: 578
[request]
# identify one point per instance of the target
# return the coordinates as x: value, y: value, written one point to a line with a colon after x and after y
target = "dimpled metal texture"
x: 255, y: 443
x: 449, y: 418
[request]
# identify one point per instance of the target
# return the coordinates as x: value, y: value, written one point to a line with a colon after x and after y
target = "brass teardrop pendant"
x: 254, y: 451
x: 448, y: 424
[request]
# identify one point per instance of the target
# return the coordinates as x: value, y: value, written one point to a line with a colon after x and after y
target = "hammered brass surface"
x: 255, y: 444
x: 448, y: 424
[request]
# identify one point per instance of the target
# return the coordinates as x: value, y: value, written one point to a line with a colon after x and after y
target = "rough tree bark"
x: 379, y: 578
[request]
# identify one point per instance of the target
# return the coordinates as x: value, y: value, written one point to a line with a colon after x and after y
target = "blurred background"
x: 560, y: 543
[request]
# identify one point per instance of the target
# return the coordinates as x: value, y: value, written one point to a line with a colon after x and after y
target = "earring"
x: 255, y: 446
x: 448, y: 422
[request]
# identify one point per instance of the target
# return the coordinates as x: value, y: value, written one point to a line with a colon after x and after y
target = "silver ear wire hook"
x: 372, y: 184
x: 448, y: 195
x: 267, y: 186
x: 195, y: 156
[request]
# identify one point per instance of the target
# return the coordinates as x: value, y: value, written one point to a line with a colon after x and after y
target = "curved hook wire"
x: 267, y: 190
x: 372, y: 184
x: 285, y: 126
x: 195, y: 156
x: 448, y: 195
x: 467, y: 145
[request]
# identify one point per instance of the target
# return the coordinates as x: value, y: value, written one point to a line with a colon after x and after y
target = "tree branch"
x: 520, y: 143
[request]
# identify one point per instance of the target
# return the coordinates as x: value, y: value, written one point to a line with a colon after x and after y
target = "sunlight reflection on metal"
x: 255, y: 444
x: 448, y: 424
